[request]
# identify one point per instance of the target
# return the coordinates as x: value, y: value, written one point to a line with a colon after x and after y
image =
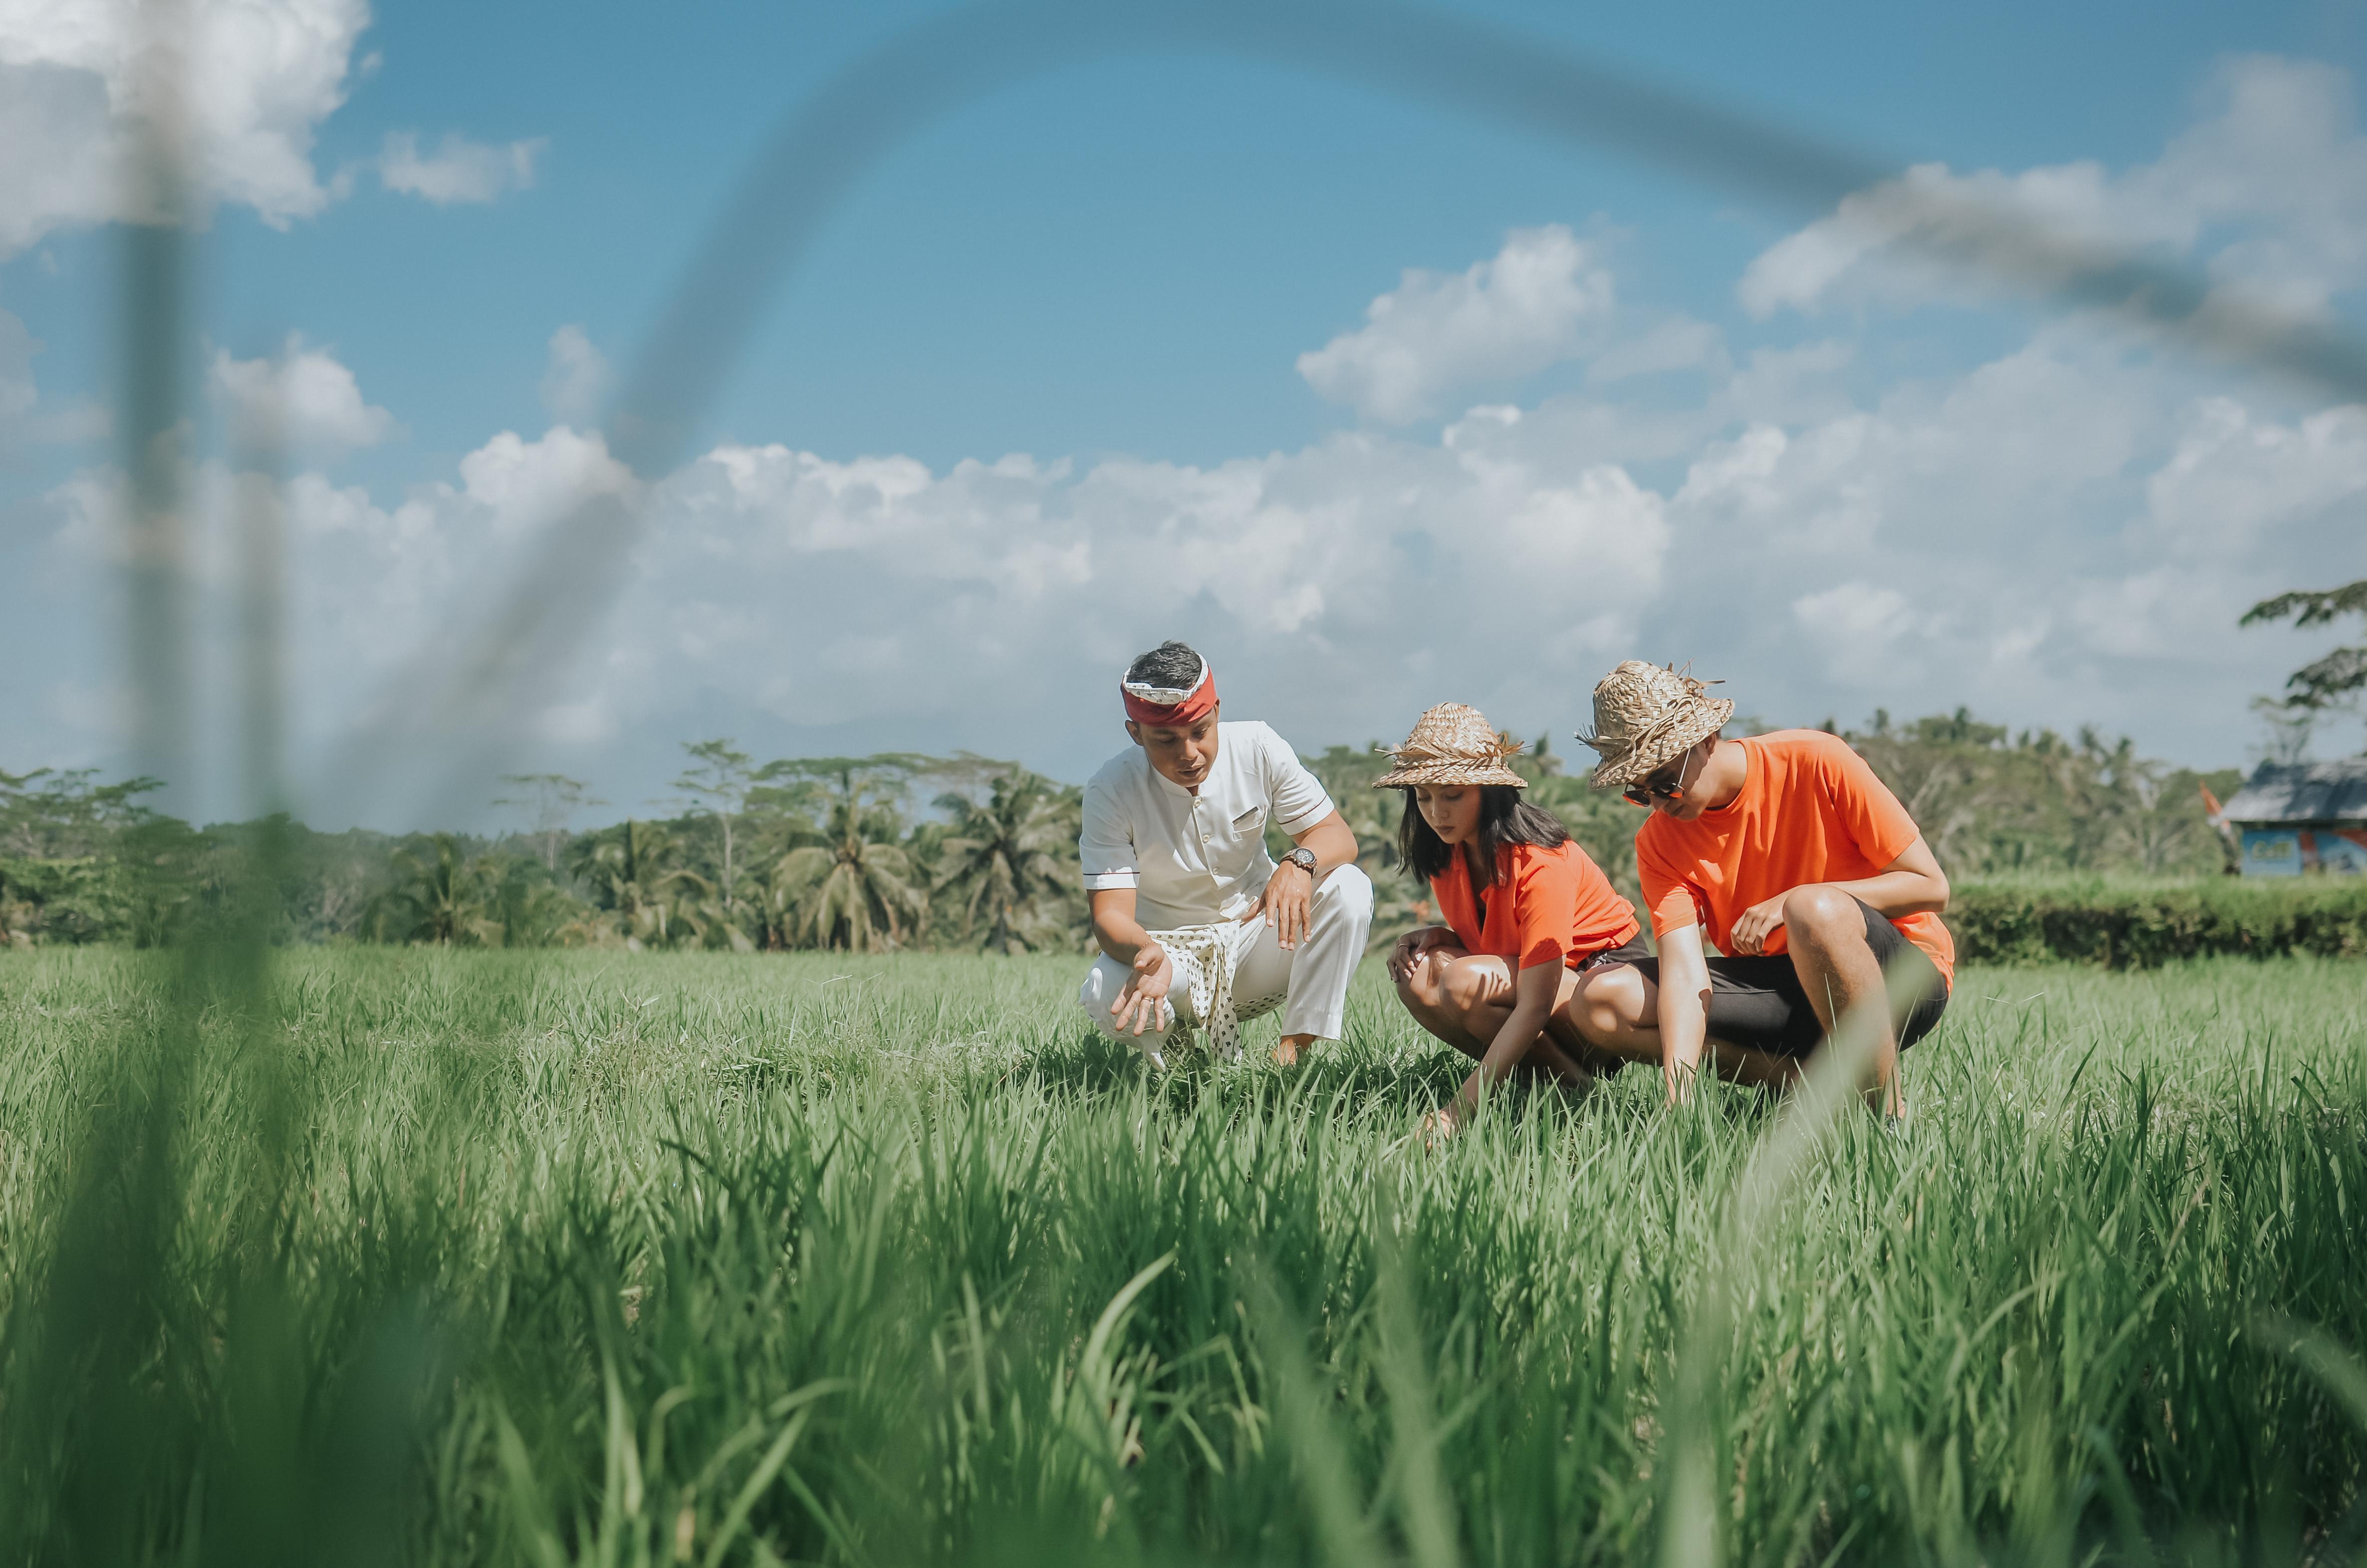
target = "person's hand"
x: 1285, y: 903
x: 1751, y: 926
x: 1408, y: 950
x: 1140, y: 999
x: 1437, y: 1127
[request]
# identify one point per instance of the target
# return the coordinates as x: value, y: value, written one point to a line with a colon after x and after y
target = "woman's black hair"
x: 1504, y: 818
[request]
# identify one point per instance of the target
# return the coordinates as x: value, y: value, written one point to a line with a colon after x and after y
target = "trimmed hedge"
x: 2136, y: 925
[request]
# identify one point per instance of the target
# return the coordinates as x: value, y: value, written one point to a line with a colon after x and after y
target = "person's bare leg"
x: 1424, y: 994
x: 1465, y: 1000
x: 1616, y: 1012
x: 1825, y: 930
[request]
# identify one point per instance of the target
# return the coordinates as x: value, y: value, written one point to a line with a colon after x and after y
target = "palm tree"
x: 1008, y: 863
x: 441, y: 897
x: 635, y: 873
x: 857, y: 890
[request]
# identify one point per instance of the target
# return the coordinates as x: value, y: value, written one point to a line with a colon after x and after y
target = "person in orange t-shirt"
x: 1785, y: 851
x: 1529, y: 917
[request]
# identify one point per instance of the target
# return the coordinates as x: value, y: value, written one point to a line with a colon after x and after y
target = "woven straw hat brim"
x: 1702, y: 718
x: 1450, y: 770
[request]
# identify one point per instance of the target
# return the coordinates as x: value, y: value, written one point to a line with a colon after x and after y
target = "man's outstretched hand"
x: 1141, y: 998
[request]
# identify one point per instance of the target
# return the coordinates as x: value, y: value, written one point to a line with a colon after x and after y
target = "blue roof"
x: 2302, y: 791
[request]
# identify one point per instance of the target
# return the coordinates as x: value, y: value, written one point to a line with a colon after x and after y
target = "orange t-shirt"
x: 1546, y: 906
x: 1810, y: 811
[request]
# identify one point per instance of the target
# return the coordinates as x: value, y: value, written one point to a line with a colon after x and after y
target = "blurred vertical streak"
x: 1697, y: 1440
x: 155, y: 308
x: 256, y: 913
x: 89, y: 1446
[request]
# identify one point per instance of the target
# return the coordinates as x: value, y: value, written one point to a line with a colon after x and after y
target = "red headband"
x: 1191, y: 710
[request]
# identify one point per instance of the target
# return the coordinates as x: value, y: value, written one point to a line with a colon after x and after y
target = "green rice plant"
x: 429, y: 1256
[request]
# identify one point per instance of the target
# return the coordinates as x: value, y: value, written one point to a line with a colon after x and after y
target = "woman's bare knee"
x: 1469, y: 984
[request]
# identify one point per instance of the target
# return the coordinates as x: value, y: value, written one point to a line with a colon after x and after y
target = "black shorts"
x: 1632, y: 950
x: 1759, y: 1002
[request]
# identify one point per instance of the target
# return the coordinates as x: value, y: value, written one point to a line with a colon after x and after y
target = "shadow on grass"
x: 1090, y: 1065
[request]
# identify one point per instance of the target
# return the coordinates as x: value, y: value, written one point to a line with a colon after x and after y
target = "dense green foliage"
x: 2136, y: 923
x: 2333, y: 680
x: 902, y: 851
x: 440, y: 1257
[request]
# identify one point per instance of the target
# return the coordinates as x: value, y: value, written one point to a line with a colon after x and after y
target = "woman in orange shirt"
x: 1529, y: 917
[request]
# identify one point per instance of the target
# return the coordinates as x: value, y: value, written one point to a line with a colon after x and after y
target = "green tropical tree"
x: 551, y: 799
x: 717, y: 781
x: 2336, y: 681
x: 637, y: 877
x: 440, y: 896
x: 857, y: 889
x: 1008, y: 865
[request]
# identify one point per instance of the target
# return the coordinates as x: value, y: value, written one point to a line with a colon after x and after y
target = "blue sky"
x: 1138, y: 300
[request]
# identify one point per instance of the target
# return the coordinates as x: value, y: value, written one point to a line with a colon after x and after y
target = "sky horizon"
x: 1377, y: 404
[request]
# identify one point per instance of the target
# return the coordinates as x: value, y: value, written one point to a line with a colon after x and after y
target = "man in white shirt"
x: 1198, y: 926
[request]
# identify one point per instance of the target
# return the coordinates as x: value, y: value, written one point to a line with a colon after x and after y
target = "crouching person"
x: 1530, y: 919
x: 1198, y: 928
x: 1788, y: 853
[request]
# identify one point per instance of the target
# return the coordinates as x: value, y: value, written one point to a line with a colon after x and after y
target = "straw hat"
x: 1451, y: 743
x: 1647, y: 715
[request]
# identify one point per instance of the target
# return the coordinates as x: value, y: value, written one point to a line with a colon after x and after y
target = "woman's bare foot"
x: 1286, y: 1049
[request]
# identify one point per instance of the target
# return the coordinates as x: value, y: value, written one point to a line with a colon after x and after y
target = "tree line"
x: 902, y: 850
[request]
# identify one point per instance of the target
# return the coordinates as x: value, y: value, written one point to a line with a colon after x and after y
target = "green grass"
x: 540, y: 1259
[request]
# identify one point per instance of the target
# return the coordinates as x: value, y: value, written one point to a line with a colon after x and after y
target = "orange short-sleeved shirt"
x: 1546, y: 906
x: 1810, y: 811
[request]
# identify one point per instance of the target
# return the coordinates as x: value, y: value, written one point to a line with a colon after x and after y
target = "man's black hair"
x: 1171, y: 665
x: 1504, y: 818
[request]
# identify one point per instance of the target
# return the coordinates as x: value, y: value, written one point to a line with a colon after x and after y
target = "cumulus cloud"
x: 577, y: 380
x: 261, y: 76
x: 2273, y: 179
x: 303, y: 403
x: 2063, y: 533
x: 459, y: 170
x: 1857, y: 625
x: 1438, y: 332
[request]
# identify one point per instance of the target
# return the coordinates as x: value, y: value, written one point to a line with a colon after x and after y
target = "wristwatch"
x: 1301, y: 856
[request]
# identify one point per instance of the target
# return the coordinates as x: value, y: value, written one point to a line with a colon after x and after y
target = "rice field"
x: 407, y: 1256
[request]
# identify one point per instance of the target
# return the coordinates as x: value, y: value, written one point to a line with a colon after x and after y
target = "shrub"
x: 2129, y: 923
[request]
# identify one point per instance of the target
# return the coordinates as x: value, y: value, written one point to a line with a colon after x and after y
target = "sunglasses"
x: 1660, y: 785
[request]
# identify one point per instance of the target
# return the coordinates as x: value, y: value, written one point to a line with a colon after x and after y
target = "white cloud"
x: 262, y: 75
x: 576, y: 383
x: 2235, y: 476
x: 1681, y: 343
x: 458, y: 169
x: 1436, y: 332
x: 2274, y: 177
x: 304, y: 403
x: 1856, y: 625
x: 2061, y: 534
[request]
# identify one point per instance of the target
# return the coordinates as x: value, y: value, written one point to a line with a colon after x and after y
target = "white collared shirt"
x: 1196, y: 857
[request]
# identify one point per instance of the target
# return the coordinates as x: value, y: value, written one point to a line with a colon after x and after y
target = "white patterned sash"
x: 1205, y: 959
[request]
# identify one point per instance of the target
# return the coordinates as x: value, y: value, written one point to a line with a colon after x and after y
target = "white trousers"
x: 1311, y: 982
